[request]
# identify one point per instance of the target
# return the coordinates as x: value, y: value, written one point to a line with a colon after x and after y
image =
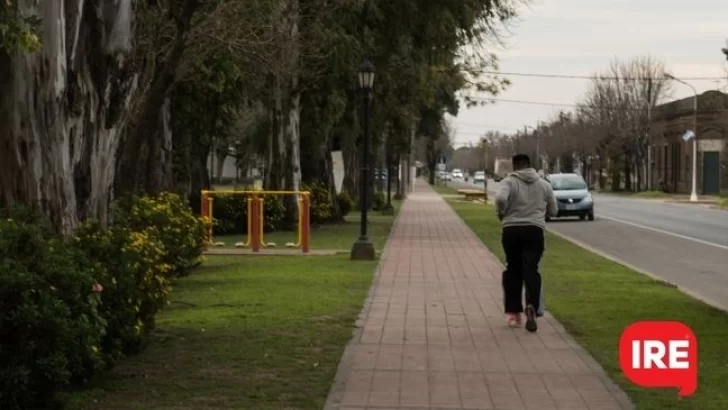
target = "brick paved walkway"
x: 433, y: 334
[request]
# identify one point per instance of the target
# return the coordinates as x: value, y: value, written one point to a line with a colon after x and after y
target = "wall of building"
x: 229, y: 170
x: 672, y: 156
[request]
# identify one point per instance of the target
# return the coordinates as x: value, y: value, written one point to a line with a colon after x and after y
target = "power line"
x: 555, y: 104
x: 472, y: 124
x: 590, y: 77
x: 489, y: 126
x: 550, y: 104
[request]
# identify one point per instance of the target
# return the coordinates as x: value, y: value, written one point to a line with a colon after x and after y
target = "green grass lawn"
x: 334, y: 237
x: 595, y: 299
x: 258, y: 332
x: 249, y: 332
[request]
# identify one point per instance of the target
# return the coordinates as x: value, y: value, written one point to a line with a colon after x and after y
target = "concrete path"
x: 433, y: 334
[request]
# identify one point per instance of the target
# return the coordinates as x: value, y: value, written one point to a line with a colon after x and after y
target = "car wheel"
x: 591, y: 216
x: 582, y: 217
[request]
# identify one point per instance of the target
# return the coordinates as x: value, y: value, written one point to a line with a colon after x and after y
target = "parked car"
x: 572, y: 195
x: 479, y: 177
x: 457, y: 174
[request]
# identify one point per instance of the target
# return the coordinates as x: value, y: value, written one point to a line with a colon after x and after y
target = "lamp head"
x: 366, y: 75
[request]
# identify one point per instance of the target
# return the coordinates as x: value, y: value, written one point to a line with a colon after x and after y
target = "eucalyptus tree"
x: 65, y: 105
x: 101, y: 71
x: 235, y: 33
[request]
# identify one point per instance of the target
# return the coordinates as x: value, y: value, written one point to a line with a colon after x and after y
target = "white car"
x: 457, y: 174
x: 479, y: 177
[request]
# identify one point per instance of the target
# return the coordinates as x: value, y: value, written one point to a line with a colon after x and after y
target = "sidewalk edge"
x: 345, y: 367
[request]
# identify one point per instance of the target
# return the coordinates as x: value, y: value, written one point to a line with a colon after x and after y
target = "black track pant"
x: 523, y: 246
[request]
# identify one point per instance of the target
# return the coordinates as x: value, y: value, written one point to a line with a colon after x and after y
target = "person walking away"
x: 522, y: 203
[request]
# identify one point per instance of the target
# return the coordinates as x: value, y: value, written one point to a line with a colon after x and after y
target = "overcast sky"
x: 579, y: 37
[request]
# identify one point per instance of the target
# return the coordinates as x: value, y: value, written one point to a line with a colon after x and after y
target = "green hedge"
x: 230, y: 211
x: 71, y: 307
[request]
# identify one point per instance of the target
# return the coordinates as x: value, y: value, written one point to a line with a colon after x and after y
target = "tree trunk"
x: 352, y: 161
x: 159, y: 154
x: 280, y: 137
x: 184, y: 162
x: 294, y: 138
x: 627, y: 174
x: 294, y: 109
x: 411, y: 179
x: 144, y: 130
x: 63, y: 110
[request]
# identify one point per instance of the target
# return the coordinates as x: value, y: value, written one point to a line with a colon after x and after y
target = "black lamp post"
x: 363, y: 248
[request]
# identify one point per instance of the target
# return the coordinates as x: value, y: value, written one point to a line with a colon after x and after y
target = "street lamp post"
x: 363, y: 248
x: 694, y: 193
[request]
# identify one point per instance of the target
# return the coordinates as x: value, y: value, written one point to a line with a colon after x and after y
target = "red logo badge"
x: 660, y: 354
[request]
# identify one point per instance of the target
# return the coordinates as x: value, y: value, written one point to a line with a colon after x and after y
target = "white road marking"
x: 664, y: 232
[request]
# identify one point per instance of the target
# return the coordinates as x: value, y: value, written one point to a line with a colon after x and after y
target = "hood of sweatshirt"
x: 527, y: 175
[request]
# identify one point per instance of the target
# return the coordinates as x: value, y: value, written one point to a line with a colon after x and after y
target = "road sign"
x: 441, y: 166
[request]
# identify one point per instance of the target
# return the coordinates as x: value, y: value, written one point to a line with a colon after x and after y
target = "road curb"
x: 651, y: 275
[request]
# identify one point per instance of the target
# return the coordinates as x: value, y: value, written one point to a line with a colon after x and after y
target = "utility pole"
x: 694, y: 193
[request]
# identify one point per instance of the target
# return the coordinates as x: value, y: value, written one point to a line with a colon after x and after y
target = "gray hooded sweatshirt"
x: 524, y: 198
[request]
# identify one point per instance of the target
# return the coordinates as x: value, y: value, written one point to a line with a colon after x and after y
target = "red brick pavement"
x: 433, y: 335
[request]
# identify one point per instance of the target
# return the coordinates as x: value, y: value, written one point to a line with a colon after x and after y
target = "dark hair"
x: 521, y: 161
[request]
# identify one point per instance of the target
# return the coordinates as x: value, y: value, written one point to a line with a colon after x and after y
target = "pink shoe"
x: 513, y: 319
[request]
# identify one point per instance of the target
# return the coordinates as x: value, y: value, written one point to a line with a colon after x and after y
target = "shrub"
x: 274, y: 212
x: 71, y: 307
x: 168, y: 217
x: 378, y: 201
x: 322, y: 205
x: 135, y: 279
x: 50, y: 325
x: 230, y: 213
x: 346, y: 203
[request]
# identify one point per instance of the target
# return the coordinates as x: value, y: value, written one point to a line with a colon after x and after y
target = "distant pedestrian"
x: 523, y: 202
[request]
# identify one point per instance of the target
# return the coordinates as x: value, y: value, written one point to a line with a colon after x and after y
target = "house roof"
x: 709, y: 101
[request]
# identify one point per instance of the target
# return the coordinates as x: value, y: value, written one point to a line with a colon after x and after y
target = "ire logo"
x: 660, y: 354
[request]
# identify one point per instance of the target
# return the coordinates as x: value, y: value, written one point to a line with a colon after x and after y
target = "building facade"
x: 671, y: 157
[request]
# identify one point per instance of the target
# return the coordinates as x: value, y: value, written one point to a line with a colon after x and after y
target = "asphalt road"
x: 684, y: 244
